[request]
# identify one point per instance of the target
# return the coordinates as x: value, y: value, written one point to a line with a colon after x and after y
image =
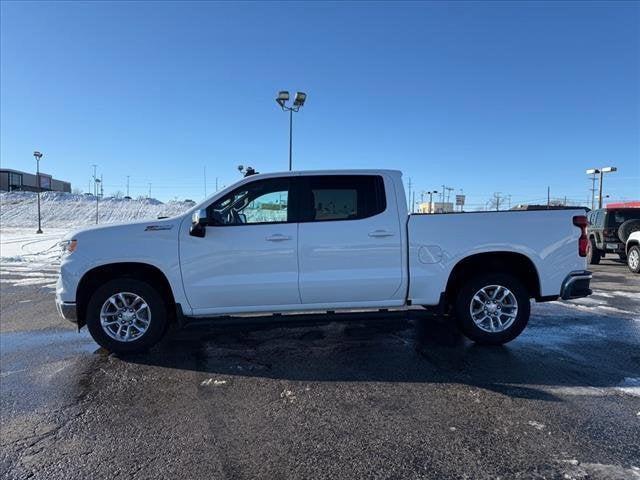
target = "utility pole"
x: 548, y: 197
x: 449, y: 190
x: 216, y: 184
x: 409, y: 188
x: 38, y: 156
x: 149, y: 196
x: 593, y: 186
x: 127, y: 185
x: 497, y: 197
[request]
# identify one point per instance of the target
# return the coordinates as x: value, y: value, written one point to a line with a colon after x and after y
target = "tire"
x: 479, y: 331
x: 593, y: 254
x: 143, y: 334
x: 633, y: 259
x: 627, y: 228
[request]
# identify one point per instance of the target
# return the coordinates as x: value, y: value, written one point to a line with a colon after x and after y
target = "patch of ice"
x: 288, y: 396
x: 536, y: 425
x: 574, y: 469
x: 213, y: 382
x: 630, y: 385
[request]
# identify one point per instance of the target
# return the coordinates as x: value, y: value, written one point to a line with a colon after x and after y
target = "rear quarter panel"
x: 438, y: 242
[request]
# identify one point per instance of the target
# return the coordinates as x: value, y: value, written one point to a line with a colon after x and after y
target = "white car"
x: 632, y: 248
x: 319, y: 241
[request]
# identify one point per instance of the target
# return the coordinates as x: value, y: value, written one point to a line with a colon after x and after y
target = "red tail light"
x: 583, y: 241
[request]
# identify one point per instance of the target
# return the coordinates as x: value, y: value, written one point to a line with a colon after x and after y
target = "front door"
x: 249, y: 257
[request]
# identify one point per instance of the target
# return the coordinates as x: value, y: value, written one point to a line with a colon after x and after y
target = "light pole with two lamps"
x: 601, y: 171
x: 298, y: 102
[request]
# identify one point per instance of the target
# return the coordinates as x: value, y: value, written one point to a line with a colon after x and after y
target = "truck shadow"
x: 418, y: 350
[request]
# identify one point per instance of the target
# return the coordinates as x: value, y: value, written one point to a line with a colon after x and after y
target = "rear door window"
x: 325, y: 198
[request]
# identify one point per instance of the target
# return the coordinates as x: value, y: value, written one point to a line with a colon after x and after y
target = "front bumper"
x: 576, y: 285
x: 67, y: 310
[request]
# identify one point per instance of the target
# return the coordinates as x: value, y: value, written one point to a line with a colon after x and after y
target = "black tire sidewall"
x: 157, y: 306
x: 469, y: 289
x: 637, y: 249
x: 593, y: 254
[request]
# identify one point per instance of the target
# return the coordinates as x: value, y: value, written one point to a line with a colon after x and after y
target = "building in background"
x: 435, y: 207
x: 15, y: 180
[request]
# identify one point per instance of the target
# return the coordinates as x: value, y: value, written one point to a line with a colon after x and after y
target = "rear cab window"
x: 326, y: 198
x: 616, y: 218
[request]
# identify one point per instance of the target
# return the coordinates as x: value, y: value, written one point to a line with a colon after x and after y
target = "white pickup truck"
x: 319, y: 241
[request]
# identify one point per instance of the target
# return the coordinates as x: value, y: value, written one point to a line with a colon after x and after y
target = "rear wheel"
x: 492, y: 308
x: 633, y: 259
x: 593, y: 254
x: 126, y: 315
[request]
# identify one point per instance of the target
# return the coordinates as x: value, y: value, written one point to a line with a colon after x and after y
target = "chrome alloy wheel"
x: 493, y: 308
x: 634, y: 259
x: 125, y: 316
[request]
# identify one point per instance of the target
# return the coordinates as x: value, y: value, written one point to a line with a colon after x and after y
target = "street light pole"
x: 298, y: 102
x: 431, y: 200
x: 601, y: 171
x: 290, y: 139
x: 38, y: 156
x: 97, y: 180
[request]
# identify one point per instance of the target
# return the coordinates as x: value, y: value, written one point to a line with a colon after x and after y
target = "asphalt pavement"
x: 390, y: 398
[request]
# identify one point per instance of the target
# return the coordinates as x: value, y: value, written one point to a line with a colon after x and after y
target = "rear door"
x: 349, y: 240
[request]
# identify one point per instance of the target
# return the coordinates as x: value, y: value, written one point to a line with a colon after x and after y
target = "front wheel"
x: 492, y: 308
x: 633, y: 259
x: 126, y: 315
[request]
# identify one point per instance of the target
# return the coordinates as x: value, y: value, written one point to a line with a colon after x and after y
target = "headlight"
x: 68, y: 246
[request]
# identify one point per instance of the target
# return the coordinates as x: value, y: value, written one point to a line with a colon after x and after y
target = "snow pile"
x: 27, y: 258
x: 67, y: 210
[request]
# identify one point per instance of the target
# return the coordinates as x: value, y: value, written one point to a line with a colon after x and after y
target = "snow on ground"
x: 27, y: 258
x: 66, y: 210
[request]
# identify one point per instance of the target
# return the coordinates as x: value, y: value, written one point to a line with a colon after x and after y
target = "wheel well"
x: 140, y: 271
x: 632, y: 243
x: 503, y: 262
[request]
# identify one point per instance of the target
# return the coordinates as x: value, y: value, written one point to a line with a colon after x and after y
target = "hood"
x: 164, y: 224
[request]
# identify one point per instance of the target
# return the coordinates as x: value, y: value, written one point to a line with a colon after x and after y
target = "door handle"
x: 277, y: 238
x: 381, y: 233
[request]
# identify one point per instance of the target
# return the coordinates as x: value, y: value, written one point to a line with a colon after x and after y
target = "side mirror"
x: 199, y: 221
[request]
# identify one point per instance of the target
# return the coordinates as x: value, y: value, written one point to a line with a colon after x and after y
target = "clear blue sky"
x: 487, y: 97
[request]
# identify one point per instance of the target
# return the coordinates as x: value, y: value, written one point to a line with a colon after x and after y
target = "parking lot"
x: 393, y: 398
